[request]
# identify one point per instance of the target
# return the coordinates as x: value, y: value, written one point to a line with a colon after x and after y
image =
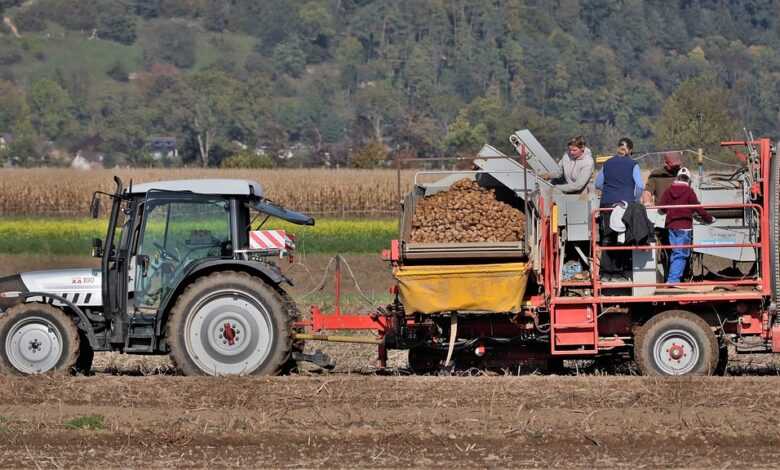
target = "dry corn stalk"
x: 465, y: 213
x: 67, y: 192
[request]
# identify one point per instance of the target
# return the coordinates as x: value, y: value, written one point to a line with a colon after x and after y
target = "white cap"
x: 684, y: 172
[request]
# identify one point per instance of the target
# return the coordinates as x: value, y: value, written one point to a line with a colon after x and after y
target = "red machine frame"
x: 574, y: 320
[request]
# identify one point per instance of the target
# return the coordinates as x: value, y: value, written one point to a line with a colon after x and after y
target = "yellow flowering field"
x: 72, y: 236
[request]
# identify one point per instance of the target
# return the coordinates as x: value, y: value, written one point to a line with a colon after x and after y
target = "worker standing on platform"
x: 620, y: 178
x: 620, y: 182
x: 661, y: 178
x: 679, y: 221
x: 575, y: 168
x: 658, y: 182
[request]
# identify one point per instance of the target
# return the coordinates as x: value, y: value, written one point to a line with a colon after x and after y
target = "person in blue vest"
x: 620, y: 178
x: 619, y: 181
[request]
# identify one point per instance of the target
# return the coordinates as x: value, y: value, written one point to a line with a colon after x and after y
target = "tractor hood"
x: 80, y: 286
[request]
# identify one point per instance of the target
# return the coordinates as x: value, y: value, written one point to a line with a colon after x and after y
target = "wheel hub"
x: 676, y: 352
x: 33, y: 346
x: 229, y: 333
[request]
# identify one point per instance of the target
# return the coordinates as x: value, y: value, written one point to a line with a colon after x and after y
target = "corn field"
x: 66, y: 192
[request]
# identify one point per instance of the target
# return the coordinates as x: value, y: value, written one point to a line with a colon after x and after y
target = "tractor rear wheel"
x: 229, y: 323
x: 676, y: 342
x: 36, y: 338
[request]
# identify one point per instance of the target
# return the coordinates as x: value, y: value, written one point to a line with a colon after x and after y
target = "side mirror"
x: 97, y: 248
x: 94, y: 207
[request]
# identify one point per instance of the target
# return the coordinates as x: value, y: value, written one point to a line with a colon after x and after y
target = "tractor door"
x: 176, y: 231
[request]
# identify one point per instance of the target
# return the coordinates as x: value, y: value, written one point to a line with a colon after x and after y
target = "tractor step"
x: 317, y: 358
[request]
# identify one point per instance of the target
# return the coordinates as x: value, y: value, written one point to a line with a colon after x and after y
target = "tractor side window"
x: 176, y: 234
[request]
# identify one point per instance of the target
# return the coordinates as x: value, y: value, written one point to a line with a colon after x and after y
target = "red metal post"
x: 337, y: 308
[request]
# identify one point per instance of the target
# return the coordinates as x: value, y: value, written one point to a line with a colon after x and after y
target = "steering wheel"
x: 165, y: 253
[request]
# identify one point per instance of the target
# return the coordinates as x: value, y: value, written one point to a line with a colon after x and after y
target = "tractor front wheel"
x: 676, y: 342
x: 36, y: 338
x: 229, y: 323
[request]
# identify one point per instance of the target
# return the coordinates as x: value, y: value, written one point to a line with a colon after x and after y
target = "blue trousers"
x: 679, y: 257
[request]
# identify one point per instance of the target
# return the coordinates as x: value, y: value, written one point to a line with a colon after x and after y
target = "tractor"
x: 181, y: 273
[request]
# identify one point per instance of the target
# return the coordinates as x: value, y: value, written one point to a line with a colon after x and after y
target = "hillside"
x: 349, y: 82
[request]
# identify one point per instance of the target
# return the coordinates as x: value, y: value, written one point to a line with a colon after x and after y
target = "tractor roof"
x: 222, y: 187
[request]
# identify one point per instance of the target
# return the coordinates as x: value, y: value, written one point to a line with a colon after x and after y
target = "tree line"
x: 353, y: 82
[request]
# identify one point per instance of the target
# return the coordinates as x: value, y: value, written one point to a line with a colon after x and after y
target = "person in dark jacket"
x: 679, y: 221
x: 657, y: 183
x: 660, y: 179
x: 619, y: 181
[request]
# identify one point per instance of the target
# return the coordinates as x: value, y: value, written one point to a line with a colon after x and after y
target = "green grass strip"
x: 53, y: 236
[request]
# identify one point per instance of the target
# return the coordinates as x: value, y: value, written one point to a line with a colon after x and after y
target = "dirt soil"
x: 374, y: 421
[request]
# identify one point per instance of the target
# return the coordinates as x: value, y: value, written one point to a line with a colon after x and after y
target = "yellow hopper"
x: 484, y: 288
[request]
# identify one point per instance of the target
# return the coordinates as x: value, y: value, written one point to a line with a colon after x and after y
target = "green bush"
x: 31, y: 19
x: 247, y: 159
x: 119, y: 28
x: 371, y: 155
x: 170, y: 42
x: 10, y: 52
x: 118, y: 72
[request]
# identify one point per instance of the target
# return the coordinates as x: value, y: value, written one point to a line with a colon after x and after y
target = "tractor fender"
x: 267, y: 271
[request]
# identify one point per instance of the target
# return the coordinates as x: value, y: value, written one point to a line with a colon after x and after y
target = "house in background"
x: 6, y: 139
x: 87, y: 160
x: 162, y: 148
x: 87, y: 156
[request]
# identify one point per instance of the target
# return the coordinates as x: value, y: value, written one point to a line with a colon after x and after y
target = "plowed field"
x: 373, y: 421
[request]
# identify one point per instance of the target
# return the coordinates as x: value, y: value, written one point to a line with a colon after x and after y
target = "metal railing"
x: 597, y: 249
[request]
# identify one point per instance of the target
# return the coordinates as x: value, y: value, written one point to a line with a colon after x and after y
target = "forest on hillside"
x: 354, y: 82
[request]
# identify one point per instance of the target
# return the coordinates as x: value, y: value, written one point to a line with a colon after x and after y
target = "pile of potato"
x: 466, y: 213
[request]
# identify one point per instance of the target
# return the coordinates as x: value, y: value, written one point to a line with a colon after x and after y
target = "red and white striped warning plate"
x: 268, y: 239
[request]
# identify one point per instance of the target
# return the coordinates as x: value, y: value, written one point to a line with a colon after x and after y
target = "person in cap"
x: 575, y: 168
x: 660, y: 179
x: 658, y: 182
x: 679, y: 221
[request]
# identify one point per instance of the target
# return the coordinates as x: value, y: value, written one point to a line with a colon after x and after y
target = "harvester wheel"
x: 723, y: 358
x: 86, y: 355
x: 423, y: 360
x: 36, y: 338
x: 676, y: 342
x: 229, y: 323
